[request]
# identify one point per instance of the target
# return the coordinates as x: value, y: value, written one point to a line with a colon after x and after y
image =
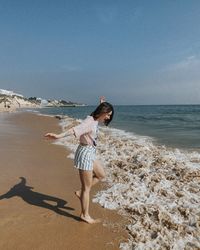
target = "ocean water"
x: 152, y: 163
x: 170, y: 125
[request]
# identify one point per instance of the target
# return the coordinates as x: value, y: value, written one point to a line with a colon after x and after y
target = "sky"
x: 131, y: 52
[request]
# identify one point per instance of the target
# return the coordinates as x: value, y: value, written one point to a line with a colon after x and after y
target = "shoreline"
x: 36, y: 175
x: 143, y: 135
x: 14, y: 108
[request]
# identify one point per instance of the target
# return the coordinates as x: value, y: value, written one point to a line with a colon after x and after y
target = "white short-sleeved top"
x: 87, y: 131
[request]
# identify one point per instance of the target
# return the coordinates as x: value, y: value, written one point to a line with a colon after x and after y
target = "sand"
x: 38, y: 207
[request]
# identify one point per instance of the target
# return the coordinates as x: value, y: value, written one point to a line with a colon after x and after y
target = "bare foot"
x: 89, y: 220
x: 78, y: 193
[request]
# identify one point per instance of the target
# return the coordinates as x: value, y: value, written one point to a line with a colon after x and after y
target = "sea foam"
x: 155, y: 187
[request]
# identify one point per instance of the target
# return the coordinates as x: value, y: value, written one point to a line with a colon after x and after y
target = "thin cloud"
x: 189, y: 63
x: 71, y: 68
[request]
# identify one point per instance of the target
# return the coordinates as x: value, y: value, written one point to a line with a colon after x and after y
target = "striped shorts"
x: 84, y: 157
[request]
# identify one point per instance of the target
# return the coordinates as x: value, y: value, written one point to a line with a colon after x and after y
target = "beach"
x: 37, y: 203
x: 149, y: 199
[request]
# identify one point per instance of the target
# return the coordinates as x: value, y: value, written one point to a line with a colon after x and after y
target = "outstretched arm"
x: 78, y: 130
x: 61, y: 135
x: 102, y: 99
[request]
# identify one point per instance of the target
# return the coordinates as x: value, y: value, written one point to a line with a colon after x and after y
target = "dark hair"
x: 104, y: 107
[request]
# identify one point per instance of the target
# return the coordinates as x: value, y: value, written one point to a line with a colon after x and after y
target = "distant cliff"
x: 13, y: 101
x: 10, y: 101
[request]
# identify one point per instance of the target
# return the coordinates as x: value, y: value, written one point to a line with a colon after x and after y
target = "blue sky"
x: 132, y: 52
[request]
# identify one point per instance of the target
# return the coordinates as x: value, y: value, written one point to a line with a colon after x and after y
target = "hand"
x: 102, y: 99
x: 51, y: 135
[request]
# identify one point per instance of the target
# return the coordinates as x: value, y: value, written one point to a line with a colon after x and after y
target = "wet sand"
x: 38, y: 207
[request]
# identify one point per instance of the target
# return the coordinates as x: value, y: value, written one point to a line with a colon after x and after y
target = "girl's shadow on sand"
x: 38, y: 199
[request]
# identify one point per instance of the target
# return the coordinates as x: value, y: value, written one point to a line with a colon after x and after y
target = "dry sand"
x: 37, y: 204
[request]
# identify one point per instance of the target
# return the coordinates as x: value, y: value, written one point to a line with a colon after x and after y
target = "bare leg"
x: 86, y: 181
x: 98, y: 175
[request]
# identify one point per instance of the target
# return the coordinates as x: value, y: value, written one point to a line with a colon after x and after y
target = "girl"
x: 90, y: 170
